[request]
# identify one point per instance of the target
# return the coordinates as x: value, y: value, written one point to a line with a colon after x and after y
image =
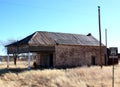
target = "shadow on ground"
x: 12, y: 70
x: 20, y: 70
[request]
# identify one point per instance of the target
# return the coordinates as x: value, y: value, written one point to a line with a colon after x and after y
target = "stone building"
x: 60, y: 49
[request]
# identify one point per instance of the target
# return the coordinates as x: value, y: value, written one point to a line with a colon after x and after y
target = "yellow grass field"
x: 75, y: 77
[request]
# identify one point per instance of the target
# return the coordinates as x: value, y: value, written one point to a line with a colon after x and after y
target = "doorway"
x: 93, y: 60
x: 51, y: 60
x: 46, y: 60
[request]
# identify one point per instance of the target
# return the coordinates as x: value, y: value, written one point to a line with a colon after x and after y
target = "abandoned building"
x: 60, y: 49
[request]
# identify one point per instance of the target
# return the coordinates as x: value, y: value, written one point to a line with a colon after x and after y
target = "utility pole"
x: 99, y: 35
x: 106, y: 37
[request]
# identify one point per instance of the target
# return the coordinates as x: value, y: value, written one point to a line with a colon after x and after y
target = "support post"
x: 29, y: 61
x: 8, y: 61
x: 113, y: 70
x: 106, y: 46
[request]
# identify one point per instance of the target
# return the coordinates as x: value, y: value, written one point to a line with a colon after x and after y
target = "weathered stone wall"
x: 43, y: 58
x: 38, y: 59
x: 68, y: 56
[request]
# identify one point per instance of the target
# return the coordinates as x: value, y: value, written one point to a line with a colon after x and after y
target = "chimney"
x: 89, y: 34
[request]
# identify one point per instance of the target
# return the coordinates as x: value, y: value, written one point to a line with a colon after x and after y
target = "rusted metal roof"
x: 21, y: 42
x: 52, y: 38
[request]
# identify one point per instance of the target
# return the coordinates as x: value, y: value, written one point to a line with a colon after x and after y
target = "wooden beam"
x: 42, y: 48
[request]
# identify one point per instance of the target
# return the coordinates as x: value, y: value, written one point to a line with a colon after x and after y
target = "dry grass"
x: 75, y: 77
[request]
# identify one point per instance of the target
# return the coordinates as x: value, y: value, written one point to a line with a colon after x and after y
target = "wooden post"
x: 99, y: 35
x: 8, y: 61
x: 29, y: 61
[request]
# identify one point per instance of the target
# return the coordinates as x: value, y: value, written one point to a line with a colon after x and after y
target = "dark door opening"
x: 51, y: 60
x: 46, y: 60
x: 105, y: 60
x: 93, y: 60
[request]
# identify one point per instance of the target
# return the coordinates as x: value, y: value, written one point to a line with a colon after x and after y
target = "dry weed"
x: 74, y: 77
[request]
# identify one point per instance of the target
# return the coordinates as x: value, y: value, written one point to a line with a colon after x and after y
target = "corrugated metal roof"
x: 21, y: 42
x: 51, y: 38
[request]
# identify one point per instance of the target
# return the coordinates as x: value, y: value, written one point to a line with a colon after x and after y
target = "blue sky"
x: 20, y: 18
